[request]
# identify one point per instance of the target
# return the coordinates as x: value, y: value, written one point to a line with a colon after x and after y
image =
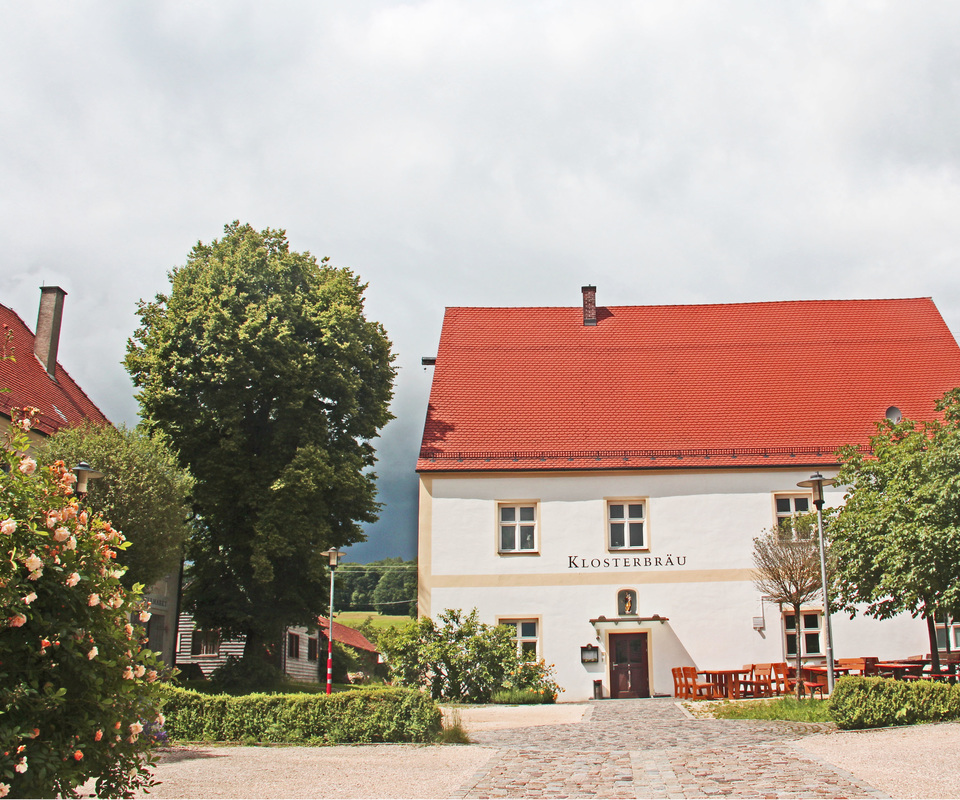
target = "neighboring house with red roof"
x: 304, y: 649
x: 35, y: 378
x: 33, y: 375
x: 595, y: 476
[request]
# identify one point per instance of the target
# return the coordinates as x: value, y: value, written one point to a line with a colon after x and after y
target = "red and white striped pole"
x: 334, y: 556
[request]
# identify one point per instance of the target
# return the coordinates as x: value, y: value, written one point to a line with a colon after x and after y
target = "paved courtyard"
x: 650, y: 748
x: 608, y: 749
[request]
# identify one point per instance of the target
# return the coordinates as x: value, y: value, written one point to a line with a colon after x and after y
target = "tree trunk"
x: 256, y: 647
x: 796, y: 626
x: 934, y: 649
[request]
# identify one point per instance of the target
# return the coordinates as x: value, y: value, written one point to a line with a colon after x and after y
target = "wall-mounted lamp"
x: 589, y: 654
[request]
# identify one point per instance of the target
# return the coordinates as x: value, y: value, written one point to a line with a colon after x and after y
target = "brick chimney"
x: 46, y: 343
x: 589, y: 304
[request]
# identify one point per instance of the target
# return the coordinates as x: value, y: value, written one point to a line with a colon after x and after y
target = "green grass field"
x: 354, y: 618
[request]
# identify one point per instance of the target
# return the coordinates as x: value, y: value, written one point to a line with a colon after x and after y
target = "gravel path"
x: 614, y: 748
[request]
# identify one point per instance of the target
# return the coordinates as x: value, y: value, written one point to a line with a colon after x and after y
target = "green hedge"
x: 361, y: 715
x: 880, y: 702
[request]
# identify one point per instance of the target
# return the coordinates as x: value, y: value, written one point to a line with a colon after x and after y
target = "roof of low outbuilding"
x: 62, y: 403
x: 738, y: 384
x: 345, y: 635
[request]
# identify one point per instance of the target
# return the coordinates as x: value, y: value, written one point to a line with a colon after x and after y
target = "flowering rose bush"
x: 76, y: 684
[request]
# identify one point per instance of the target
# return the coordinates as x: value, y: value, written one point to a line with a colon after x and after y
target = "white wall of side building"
x: 695, y: 574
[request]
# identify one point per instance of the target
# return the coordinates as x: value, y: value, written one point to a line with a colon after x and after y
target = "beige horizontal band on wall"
x: 590, y: 578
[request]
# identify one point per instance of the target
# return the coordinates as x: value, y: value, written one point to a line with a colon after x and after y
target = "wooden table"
x: 727, y: 679
x: 903, y: 670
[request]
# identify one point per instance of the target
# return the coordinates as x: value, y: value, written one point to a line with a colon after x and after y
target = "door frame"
x: 647, y: 667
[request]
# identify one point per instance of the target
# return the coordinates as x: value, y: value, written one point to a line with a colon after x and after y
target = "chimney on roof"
x: 589, y: 304
x: 46, y: 342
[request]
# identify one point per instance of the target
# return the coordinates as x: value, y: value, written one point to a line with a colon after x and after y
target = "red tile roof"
x: 345, y: 635
x: 62, y: 402
x: 679, y: 386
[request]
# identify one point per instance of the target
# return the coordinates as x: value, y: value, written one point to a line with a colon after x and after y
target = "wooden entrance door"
x: 629, y: 676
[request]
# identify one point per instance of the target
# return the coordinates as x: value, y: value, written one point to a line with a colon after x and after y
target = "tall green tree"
x: 144, y: 492
x: 261, y: 368
x: 896, y: 541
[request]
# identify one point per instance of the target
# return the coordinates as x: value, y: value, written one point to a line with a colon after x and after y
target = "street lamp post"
x: 334, y: 557
x: 817, y: 482
x: 84, y: 473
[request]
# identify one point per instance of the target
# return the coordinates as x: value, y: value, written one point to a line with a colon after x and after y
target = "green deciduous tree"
x: 787, y: 564
x: 896, y: 541
x: 144, y: 492
x: 77, y: 688
x: 263, y: 371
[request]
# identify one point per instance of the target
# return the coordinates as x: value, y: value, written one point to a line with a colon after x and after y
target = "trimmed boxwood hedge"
x: 358, y: 716
x: 881, y: 702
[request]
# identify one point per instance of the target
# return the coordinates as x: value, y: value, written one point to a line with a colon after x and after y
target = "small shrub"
x: 518, y: 697
x: 360, y: 716
x: 881, y: 702
x: 454, y: 733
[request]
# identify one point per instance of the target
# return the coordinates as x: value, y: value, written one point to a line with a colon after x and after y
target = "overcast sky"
x: 465, y: 153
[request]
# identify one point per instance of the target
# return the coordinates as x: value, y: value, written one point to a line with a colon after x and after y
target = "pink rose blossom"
x: 8, y: 526
x: 74, y: 579
x: 35, y: 575
x: 92, y: 654
x: 21, y: 765
x: 30, y: 598
x: 128, y: 673
x: 93, y: 599
x: 25, y: 424
x: 28, y: 466
x: 32, y: 562
x: 129, y: 629
x: 71, y: 543
x: 4, y: 789
x: 140, y: 669
x: 98, y: 736
x: 151, y: 677
x: 52, y: 520
x: 17, y: 621
x: 136, y: 727
x: 61, y: 535
x: 145, y: 616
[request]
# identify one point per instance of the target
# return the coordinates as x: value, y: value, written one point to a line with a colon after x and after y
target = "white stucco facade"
x: 693, y: 578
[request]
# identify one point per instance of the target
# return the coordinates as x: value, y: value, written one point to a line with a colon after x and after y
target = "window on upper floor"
x: 526, y: 635
x: 789, y: 506
x: 517, y: 527
x: 811, y: 625
x: 626, y: 524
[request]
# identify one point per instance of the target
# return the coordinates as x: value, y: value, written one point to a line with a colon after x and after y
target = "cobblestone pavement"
x: 650, y: 748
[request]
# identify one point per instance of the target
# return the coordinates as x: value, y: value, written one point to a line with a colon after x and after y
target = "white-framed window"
x: 952, y: 628
x: 627, y: 524
x: 517, y: 527
x: 526, y: 635
x: 790, y: 505
x: 811, y: 626
x: 205, y: 643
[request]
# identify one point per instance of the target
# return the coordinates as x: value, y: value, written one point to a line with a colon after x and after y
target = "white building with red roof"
x: 596, y: 475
